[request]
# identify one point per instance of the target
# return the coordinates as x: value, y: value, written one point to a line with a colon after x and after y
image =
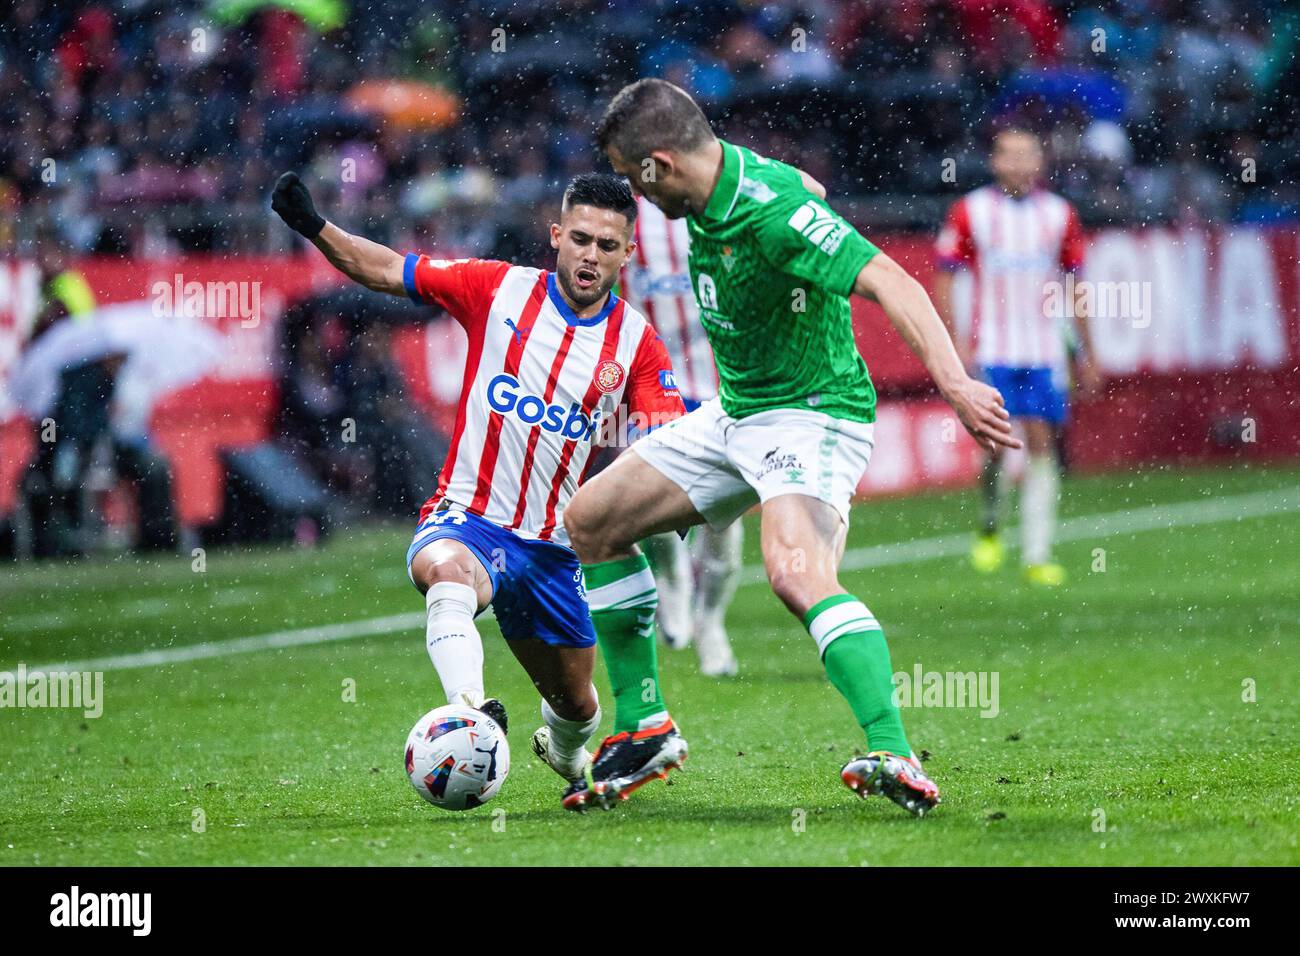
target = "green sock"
x: 856, y: 658
x: 623, y: 599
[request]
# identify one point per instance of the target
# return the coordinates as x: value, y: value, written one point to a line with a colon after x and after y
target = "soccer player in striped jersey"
x: 1019, y: 242
x: 696, y: 577
x: 552, y: 355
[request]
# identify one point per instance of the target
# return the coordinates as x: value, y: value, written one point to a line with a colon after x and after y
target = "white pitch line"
x: 1184, y: 514
x: 322, y: 634
x: 1131, y: 521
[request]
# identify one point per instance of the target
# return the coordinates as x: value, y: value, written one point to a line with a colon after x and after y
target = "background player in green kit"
x: 772, y: 266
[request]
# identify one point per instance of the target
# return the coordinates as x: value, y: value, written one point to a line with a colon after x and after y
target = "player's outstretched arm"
x: 909, y: 309
x: 373, y: 265
x: 943, y: 303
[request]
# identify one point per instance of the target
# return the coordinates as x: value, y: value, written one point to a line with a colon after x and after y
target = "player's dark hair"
x: 652, y: 114
x: 602, y: 191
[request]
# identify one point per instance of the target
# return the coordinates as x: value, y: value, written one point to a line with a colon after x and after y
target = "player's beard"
x: 578, y: 296
x: 673, y: 207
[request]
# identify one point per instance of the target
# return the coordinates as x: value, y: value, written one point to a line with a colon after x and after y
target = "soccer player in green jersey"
x: 773, y: 267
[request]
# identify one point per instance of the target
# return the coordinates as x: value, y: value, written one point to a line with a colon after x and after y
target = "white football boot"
x: 714, y: 648
x: 717, y: 570
x: 570, y: 770
x: 671, y: 562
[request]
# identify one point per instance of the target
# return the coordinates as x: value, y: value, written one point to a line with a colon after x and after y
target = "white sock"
x: 671, y: 561
x: 719, y: 567
x: 569, y: 737
x: 1038, y: 495
x: 453, y: 641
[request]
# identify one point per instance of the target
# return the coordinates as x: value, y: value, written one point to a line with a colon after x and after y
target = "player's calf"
x: 561, y: 743
x: 802, y: 539
x: 570, y: 707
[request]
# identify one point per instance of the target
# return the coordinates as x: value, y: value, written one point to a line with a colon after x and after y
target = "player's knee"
x: 583, y: 524
x: 1039, y: 439
x: 574, y: 519
x: 439, y: 568
x: 1042, y: 448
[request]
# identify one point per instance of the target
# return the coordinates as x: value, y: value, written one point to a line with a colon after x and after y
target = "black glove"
x: 293, y: 203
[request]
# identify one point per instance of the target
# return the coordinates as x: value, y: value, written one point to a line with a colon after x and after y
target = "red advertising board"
x: 1197, y: 331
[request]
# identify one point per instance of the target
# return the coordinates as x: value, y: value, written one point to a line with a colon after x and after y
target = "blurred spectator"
x: 54, y: 486
x: 82, y: 438
x: 343, y: 410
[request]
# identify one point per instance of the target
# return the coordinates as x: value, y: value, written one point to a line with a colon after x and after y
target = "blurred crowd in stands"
x: 158, y: 126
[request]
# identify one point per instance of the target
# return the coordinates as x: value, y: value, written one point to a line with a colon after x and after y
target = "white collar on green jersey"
x: 723, y: 198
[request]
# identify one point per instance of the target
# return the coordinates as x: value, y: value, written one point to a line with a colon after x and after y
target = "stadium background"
x: 141, y: 139
x: 257, y: 696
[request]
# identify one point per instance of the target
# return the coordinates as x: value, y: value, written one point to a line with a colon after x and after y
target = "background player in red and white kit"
x: 696, y: 580
x: 1019, y: 242
x: 551, y: 356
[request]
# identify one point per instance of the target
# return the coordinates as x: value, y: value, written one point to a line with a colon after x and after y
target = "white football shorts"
x: 727, y: 465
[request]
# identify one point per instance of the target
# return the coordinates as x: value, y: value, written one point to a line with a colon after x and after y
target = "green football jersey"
x: 772, y: 267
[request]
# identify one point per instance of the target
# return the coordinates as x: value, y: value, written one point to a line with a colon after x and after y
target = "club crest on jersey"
x: 609, y: 376
x: 728, y: 258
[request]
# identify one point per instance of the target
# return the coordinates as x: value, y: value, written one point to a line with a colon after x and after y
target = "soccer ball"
x: 457, y: 757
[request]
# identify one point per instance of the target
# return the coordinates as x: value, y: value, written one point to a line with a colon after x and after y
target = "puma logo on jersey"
x: 819, y: 225
x: 519, y: 333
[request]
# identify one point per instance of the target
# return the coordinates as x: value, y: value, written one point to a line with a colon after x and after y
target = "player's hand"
x: 293, y: 204
x: 980, y: 409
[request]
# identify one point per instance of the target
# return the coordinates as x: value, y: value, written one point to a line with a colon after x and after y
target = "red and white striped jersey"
x: 538, y: 383
x: 1015, y: 249
x: 658, y: 283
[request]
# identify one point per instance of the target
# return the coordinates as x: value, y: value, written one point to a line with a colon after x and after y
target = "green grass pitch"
x: 1122, y: 735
